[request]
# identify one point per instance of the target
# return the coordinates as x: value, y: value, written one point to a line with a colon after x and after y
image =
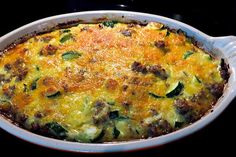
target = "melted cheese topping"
x: 70, y: 70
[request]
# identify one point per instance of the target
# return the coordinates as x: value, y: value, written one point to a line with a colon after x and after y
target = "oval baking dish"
x: 220, y: 47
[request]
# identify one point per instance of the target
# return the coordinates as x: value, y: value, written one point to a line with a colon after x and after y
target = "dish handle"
x: 227, y: 45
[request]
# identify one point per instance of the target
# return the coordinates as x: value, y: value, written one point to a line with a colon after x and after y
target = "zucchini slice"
x: 90, y: 133
x: 187, y: 54
x: 54, y: 95
x: 155, y: 96
x: 70, y: 55
x: 56, y: 130
x: 66, y: 37
x: 175, y: 90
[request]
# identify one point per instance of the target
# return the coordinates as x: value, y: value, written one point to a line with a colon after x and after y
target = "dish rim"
x: 211, y: 43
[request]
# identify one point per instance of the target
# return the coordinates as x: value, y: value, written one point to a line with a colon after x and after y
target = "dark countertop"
x: 213, y: 18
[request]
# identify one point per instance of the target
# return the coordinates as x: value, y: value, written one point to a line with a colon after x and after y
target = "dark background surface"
x: 213, y: 18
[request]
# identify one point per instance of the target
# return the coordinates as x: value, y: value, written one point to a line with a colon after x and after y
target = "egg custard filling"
x: 109, y: 81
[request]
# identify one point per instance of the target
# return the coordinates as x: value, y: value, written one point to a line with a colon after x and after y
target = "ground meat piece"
x: 35, y: 127
x: 48, y: 50
x: 135, y: 80
x: 124, y: 87
x: 39, y: 114
x: 111, y: 84
x: 2, y: 78
x: 136, y: 66
x: 159, y: 44
x: 19, y: 69
x: 140, y: 81
x: 84, y: 29
x: 127, y: 32
x: 21, y: 118
x: 16, y: 69
x: 158, y: 71
x: 160, y: 127
x: 182, y: 106
x: 130, y: 25
x: 126, y: 104
x: 216, y: 89
x: 153, y: 112
x: 48, y: 81
x: 224, y: 70
x: 46, y: 39
x: 101, y: 112
x: 199, y: 97
x: 186, y: 110
x: 9, y: 91
x: 100, y: 26
x: 5, y: 107
x: 7, y: 67
x: 18, y: 63
x: 22, y: 72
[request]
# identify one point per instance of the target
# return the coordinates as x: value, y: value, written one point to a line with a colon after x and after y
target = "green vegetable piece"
x: 99, y: 137
x: 89, y: 133
x: 70, y: 55
x: 115, y: 133
x: 178, y: 124
x: 167, y: 33
x: 187, y: 54
x: 121, y: 118
x: 114, y: 114
x: 210, y: 58
x: 25, y: 88
x: 198, y: 80
x: 175, y: 90
x: 186, y: 74
x: 65, y: 31
x: 54, y: 95
x: 109, y: 23
x: 111, y: 102
x: 34, y: 84
x: 4, y: 101
x: 66, y: 37
x: 56, y: 130
x: 37, y: 68
x: 154, y: 95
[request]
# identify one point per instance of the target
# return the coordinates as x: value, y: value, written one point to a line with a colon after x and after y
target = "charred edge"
x: 224, y: 70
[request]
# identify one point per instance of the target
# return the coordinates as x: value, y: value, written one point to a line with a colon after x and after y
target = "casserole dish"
x: 221, y: 47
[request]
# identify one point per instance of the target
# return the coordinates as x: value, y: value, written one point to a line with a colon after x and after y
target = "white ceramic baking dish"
x: 224, y: 47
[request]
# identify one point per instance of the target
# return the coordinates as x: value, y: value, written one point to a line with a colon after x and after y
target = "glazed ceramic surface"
x: 223, y: 47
